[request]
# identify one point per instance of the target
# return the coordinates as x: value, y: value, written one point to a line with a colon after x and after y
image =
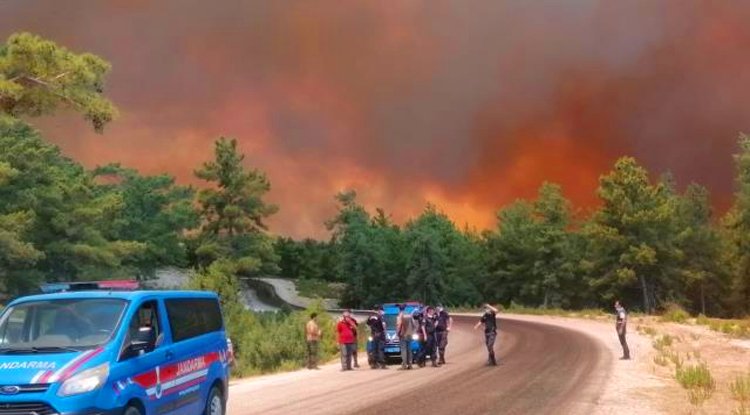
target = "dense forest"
x: 649, y: 242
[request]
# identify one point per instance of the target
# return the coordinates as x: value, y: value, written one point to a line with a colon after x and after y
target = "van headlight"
x: 415, y: 336
x: 369, y: 339
x: 86, y: 381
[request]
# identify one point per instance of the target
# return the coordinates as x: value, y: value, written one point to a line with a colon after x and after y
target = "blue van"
x: 392, y: 342
x: 97, y: 352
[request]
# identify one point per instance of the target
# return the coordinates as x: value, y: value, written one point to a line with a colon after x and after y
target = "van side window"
x: 146, y: 316
x: 192, y: 317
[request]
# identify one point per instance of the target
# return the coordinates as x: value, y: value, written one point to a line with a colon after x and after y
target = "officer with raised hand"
x: 489, y: 320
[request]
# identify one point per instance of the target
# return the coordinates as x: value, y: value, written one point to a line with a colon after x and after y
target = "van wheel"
x: 215, y: 403
x: 132, y: 410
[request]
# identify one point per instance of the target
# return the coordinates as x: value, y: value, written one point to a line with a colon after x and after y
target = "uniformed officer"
x: 418, y: 319
x: 489, y: 320
x: 428, y: 328
x: 621, y: 325
x: 377, y: 332
x: 444, y: 324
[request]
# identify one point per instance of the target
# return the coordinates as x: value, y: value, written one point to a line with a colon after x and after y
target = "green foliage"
x: 697, y: 379
x: 55, y: 220
x: 154, y: 212
x: 633, y: 235
x: 307, y: 259
x: 232, y: 213
x: 737, y: 230
x: 675, y: 314
x: 319, y: 289
x: 740, y: 389
x: 533, y: 257
x: 663, y: 342
x: 38, y: 77
x: 440, y: 259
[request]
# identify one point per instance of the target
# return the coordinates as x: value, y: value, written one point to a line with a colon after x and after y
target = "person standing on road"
x: 489, y: 320
x: 355, y: 327
x: 405, y: 330
x: 346, y: 340
x: 429, y: 327
x: 377, y: 332
x: 312, y: 335
x: 621, y: 325
x: 417, y: 317
x: 444, y: 324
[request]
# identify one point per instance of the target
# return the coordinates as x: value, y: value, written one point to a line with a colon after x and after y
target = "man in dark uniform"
x: 444, y: 323
x: 377, y: 331
x: 418, y: 319
x: 621, y: 325
x: 429, y: 328
x: 489, y: 320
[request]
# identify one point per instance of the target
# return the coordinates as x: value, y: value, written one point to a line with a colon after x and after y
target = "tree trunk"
x: 703, y: 298
x: 644, y: 288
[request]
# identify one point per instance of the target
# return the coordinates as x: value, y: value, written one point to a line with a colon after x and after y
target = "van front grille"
x: 26, y: 408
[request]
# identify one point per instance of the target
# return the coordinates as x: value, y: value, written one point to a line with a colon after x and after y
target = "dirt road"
x: 545, y: 369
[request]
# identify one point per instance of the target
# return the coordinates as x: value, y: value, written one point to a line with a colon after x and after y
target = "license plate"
x: 392, y: 350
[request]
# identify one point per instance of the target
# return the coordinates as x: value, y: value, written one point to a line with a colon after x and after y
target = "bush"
x: 697, y: 380
x: 675, y: 313
x: 740, y: 389
x: 263, y: 342
x: 663, y: 342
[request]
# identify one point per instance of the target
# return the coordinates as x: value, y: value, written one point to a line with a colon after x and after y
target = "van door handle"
x: 170, y: 355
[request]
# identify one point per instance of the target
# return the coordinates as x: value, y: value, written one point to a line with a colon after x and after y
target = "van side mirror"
x: 143, y: 341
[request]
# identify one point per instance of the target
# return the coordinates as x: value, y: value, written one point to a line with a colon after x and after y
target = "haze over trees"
x: 650, y: 242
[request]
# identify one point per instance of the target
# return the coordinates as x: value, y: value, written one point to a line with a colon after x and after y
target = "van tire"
x: 132, y: 410
x: 215, y: 402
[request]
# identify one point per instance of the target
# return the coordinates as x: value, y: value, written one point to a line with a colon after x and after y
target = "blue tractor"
x: 392, y: 341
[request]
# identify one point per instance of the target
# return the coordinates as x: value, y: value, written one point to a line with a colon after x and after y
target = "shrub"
x: 675, y: 313
x: 663, y: 342
x: 740, y: 389
x: 697, y: 380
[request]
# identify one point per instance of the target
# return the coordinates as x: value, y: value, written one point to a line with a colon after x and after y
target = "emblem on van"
x: 9, y: 390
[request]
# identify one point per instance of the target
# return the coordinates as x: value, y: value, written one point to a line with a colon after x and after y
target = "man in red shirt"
x: 345, y: 329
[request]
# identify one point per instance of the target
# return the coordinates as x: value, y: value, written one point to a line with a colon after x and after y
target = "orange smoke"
x: 466, y: 106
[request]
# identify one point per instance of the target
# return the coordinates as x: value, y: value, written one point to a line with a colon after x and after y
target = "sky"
x: 469, y: 105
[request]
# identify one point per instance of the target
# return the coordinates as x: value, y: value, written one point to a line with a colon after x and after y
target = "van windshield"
x: 390, y: 321
x: 59, y: 325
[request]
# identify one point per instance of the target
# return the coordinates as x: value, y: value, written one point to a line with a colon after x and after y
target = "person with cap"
x: 621, y: 324
x: 346, y: 339
x: 444, y: 324
x: 428, y: 330
x: 377, y: 332
x: 405, y: 331
x: 489, y: 320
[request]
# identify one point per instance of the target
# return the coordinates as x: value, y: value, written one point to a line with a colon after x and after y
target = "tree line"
x: 647, y: 243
